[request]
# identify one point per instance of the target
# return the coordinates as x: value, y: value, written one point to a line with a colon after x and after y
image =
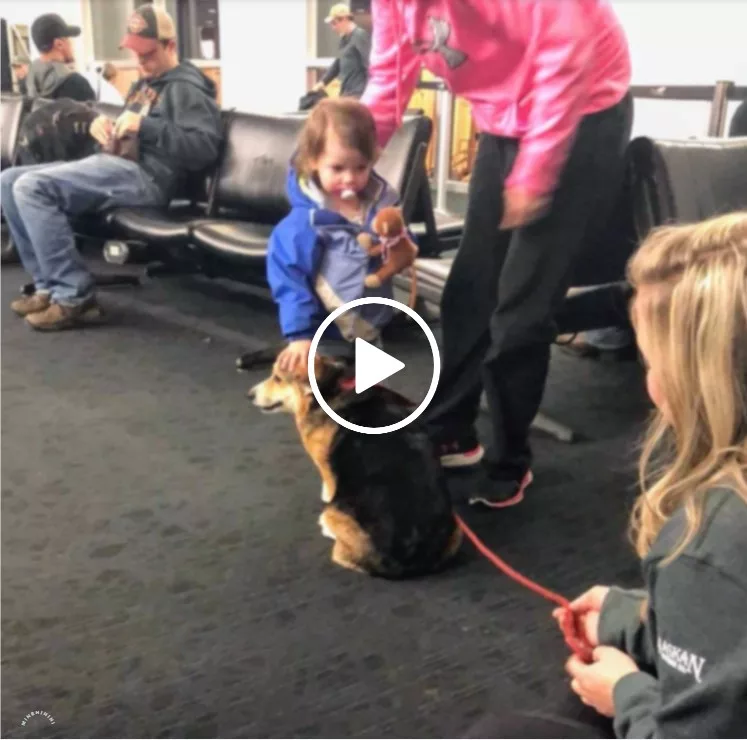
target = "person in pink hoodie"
x: 548, y: 82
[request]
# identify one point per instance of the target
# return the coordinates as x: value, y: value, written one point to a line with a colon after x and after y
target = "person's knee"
x: 514, y: 329
x: 29, y: 186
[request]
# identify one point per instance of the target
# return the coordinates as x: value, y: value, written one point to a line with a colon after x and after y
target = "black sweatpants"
x: 498, y: 306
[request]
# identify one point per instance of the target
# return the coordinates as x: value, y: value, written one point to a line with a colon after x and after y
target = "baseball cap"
x: 48, y: 27
x: 147, y: 26
x: 338, y: 11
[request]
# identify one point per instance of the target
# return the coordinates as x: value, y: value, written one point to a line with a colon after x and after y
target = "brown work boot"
x: 58, y: 316
x: 33, y: 303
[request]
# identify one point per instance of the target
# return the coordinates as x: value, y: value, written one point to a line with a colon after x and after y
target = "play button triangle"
x: 373, y: 365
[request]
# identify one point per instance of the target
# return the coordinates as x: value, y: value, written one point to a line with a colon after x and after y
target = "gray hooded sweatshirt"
x: 692, y: 645
x: 56, y: 80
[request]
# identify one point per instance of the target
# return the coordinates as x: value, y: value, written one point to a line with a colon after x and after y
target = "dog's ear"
x: 328, y: 373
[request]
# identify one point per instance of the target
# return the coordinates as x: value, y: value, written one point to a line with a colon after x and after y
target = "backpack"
x: 57, y: 131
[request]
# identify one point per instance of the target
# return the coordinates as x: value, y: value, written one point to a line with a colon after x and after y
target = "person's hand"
x: 587, y: 608
x: 595, y: 683
x: 521, y: 207
x: 295, y: 357
x: 102, y: 129
x: 319, y: 86
x: 127, y: 123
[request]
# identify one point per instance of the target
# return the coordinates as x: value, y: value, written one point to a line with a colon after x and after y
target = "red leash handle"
x: 569, y: 623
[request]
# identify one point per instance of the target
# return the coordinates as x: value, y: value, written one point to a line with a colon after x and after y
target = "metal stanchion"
x: 443, y: 163
x: 719, y: 106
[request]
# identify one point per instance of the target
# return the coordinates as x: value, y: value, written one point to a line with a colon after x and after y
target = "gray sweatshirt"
x: 692, y: 646
x: 351, y: 65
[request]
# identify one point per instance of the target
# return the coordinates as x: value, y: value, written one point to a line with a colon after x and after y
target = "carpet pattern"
x: 163, y: 574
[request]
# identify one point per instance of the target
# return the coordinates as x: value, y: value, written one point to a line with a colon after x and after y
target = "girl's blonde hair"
x: 690, y: 312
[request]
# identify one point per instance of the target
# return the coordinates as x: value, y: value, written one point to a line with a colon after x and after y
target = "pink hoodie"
x: 530, y: 69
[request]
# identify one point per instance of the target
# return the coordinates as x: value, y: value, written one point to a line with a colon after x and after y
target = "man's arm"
x: 76, y: 87
x: 187, y: 126
x: 331, y: 73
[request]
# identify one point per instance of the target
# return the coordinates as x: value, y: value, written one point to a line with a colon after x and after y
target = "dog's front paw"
x: 326, y: 493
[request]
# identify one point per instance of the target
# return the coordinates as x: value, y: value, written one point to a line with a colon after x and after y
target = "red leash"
x: 569, y: 619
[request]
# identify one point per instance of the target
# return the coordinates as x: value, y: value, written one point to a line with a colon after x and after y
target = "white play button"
x: 373, y: 365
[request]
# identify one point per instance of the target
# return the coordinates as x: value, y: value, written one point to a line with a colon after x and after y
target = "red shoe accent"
x: 517, y: 498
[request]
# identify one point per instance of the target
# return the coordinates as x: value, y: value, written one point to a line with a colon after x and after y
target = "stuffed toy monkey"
x: 395, y: 246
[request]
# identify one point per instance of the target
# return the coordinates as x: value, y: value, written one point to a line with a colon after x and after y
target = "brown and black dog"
x: 387, y: 505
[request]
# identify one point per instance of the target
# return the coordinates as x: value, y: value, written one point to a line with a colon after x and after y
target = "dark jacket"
x: 56, y: 80
x: 351, y: 65
x: 692, y: 646
x: 182, y: 128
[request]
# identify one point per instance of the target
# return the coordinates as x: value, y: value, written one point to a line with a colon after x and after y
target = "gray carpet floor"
x: 163, y: 574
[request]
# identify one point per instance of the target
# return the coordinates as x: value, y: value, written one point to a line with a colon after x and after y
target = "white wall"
x: 264, y: 50
x: 25, y: 11
x: 683, y: 42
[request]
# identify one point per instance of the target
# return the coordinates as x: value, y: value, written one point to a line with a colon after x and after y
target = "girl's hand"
x: 587, y: 607
x: 295, y: 357
x: 595, y: 683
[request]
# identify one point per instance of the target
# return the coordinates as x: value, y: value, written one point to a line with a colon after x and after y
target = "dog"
x: 387, y: 506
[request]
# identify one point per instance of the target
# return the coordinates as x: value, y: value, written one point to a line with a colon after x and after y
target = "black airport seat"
x: 248, y: 196
x: 687, y: 181
x: 12, y: 111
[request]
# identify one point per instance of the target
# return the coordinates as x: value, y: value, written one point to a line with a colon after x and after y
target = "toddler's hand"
x: 295, y: 357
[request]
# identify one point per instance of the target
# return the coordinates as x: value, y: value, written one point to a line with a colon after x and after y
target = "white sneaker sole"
x: 463, y: 459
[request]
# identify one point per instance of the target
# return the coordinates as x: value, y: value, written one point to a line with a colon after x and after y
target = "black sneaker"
x: 499, y: 493
x: 461, y: 453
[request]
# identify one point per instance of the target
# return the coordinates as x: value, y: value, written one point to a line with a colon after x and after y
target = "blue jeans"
x: 610, y: 338
x: 38, y: 201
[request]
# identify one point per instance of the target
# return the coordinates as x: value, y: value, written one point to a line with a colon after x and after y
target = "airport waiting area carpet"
x: 163, y: 573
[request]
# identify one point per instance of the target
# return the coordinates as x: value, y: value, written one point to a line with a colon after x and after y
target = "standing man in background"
x: 351, y: 65
x: 50, y: 75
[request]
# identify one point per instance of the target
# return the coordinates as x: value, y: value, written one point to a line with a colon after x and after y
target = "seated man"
x: 50, y: 75
x: 171, y: 125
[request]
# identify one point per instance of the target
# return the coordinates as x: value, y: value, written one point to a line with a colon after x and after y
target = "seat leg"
x: 543, y: 423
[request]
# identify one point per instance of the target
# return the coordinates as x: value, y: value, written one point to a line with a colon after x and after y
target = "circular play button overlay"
x: 373, y: 365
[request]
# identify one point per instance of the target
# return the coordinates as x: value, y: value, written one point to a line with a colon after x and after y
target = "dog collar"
x: 347, y: 384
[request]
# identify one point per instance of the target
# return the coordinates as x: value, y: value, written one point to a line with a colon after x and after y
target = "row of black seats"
x: 222, y: 219
x: 221, y: 222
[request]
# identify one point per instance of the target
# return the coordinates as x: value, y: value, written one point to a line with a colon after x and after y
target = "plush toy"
x: 394, y: 246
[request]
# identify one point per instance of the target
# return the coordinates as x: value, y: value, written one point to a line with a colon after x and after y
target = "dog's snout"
x: 252, y: 393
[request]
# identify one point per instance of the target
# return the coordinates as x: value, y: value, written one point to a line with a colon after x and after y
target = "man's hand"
x: 127, y: 123
x: 587, y: 607
x: 102, y: 129
x: 521, y: 207
x: 595, y: 683
x: 295, y: 357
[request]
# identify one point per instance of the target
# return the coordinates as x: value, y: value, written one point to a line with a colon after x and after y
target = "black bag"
x: 57, y: 131
x: 308, y: 101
